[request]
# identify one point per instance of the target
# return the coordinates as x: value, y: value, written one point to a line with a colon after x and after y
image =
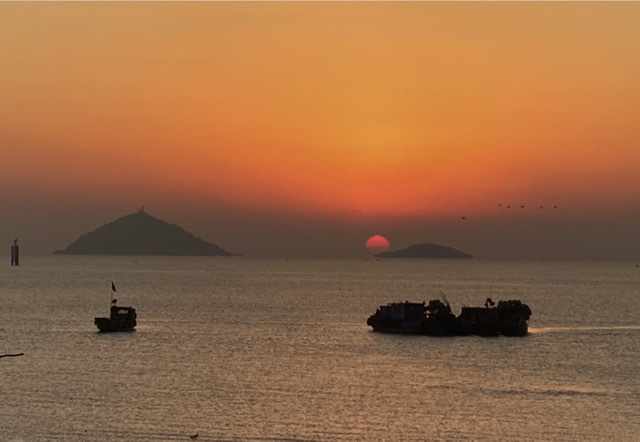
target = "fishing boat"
x: 507, y: 318
x: 121, y: 319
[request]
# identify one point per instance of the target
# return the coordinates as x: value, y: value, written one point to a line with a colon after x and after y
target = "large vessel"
x: 121, y: 319
x: 508, y: 318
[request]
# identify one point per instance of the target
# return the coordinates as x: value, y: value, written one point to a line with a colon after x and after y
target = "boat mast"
x: 444, y: 298
x: 113, y: 290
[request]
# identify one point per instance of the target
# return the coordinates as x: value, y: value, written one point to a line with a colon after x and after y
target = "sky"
x: 304, y: 128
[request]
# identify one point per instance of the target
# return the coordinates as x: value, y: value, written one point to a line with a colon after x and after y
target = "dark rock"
x: 141, y: 234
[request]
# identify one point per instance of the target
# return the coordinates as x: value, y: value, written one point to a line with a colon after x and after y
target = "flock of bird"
x: 509, y: 206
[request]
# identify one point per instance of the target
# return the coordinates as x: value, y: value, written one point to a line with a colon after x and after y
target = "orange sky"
x: 351, y: 112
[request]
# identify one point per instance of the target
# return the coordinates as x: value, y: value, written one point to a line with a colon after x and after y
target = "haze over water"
x: 249, y: 349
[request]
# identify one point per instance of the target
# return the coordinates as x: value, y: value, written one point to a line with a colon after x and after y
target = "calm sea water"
x: 241, y: 349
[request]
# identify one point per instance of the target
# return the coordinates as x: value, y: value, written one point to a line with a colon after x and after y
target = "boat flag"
x: 113, y: 286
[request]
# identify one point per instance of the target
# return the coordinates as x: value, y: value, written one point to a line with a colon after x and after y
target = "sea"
x: 248, y: 349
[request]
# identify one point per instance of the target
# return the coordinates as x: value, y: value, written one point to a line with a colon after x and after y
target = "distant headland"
x: 425, y: 250
x: 141, y: 234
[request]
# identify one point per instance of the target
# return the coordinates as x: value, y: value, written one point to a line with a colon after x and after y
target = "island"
x: 141, y: 234
x: 425, y: 250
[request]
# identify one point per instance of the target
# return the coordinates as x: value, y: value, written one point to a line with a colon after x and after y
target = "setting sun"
x: 377, y: 243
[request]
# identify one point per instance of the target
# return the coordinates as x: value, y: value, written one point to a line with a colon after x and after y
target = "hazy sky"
x: 301, y: 129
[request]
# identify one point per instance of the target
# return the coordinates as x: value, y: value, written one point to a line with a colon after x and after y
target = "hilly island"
x: 141, y: 234
x: 425, y: 250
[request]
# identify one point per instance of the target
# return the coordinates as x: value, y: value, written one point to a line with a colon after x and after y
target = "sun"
x: 377, y: 243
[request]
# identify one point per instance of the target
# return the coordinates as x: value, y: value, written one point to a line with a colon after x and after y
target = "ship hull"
x: 107, y: 325
x: 458, y: 328
x: 428, y: 327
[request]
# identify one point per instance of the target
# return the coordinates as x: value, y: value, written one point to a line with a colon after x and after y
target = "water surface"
x: 246, y: 349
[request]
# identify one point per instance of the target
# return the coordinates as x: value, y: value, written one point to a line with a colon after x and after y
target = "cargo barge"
x: 435, y: 318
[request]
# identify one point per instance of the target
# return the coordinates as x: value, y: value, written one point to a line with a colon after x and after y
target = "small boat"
x: 121, y: 319
x: 508, y: 318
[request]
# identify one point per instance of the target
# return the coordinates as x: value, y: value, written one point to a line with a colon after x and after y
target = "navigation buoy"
x: 15, y: 253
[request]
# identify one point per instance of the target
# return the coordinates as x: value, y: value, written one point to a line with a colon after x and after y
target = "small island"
x: 426, y: 251
x: 141, y: 234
